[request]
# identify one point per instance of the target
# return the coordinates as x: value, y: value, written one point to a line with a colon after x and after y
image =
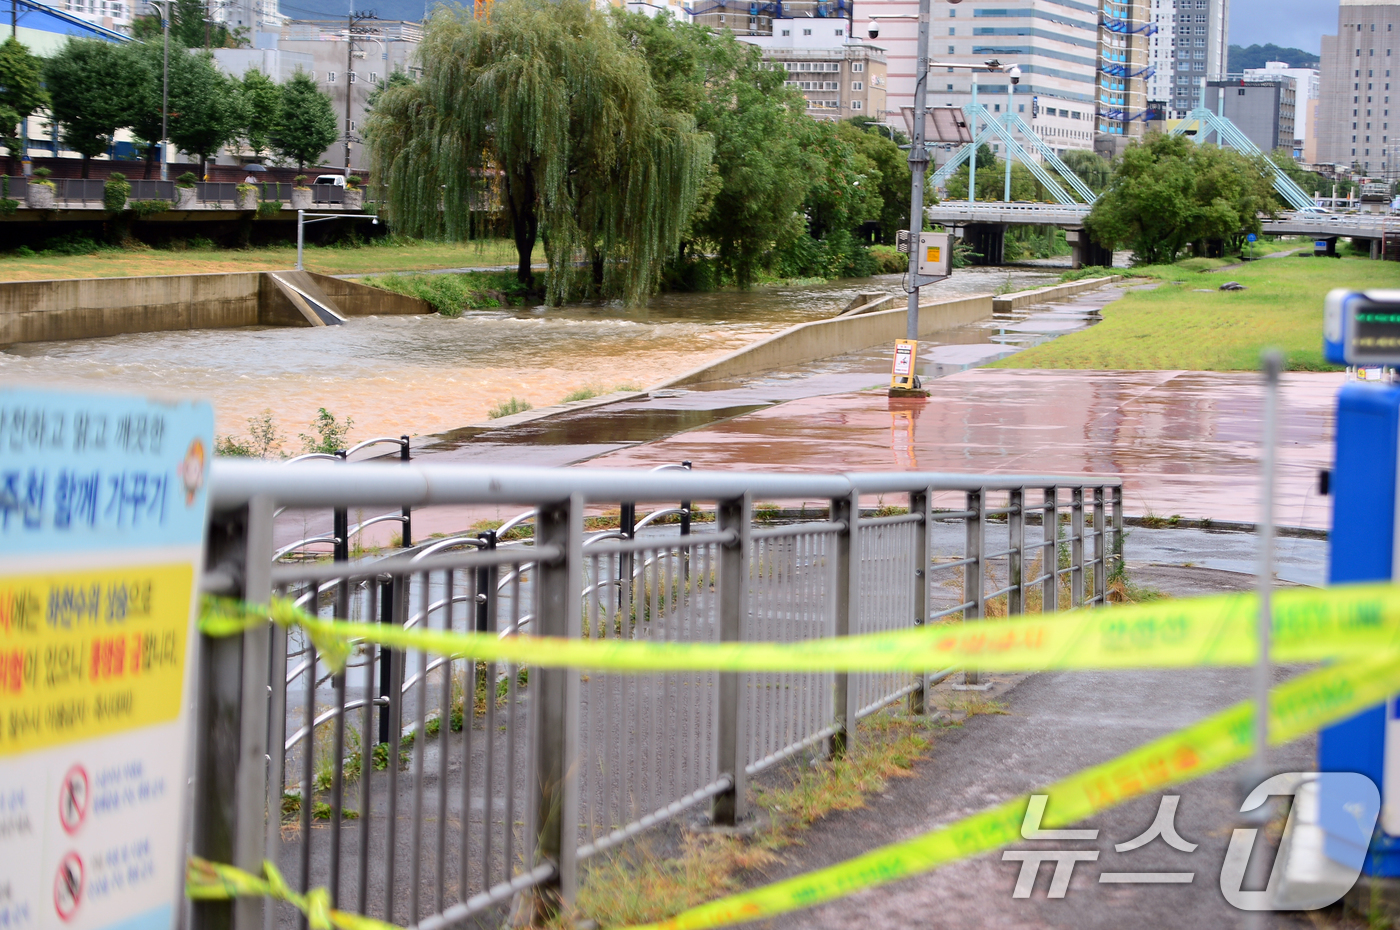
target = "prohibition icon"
x: 73, y: 799
x: 68, y: 886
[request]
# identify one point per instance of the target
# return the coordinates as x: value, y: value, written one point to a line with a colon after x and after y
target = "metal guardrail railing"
x: 424, y: 789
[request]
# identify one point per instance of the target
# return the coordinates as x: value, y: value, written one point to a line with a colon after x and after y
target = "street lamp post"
x: 303, y: 222
x: 1014, y: 73
x: 164, y: 7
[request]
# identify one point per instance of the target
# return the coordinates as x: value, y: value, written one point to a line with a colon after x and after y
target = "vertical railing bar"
x: 342, y: 612
x: 444, y: 742
x: 1016, y: 529
x: 488, y: 775
x: 1050, y: 561
x: 669, y: 759
x: 530, y: 837
x: 733, y: 516
x: 1118, y: 526
x: 308, y: 762
x: 276, y: 743
x: 473, y: 581
x: 399, y: 592
x: 650, y: 766
x: 420, y: 740
x: 974, y: 571
x: 1076, y: 547
x: 508, y: 852
x: 1100, y: 559
x: 367, y: 744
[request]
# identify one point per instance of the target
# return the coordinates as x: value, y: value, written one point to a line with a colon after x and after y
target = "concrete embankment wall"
x: 807, y: 342
x: 1008, y: 302
x: 84, y: 308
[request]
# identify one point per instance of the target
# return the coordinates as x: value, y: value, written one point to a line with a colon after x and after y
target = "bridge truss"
x: 995, y: 127
x: 1227, y: 133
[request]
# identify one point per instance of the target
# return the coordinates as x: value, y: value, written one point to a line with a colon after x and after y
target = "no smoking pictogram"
x: 73, y: 799
x: 68, y: 886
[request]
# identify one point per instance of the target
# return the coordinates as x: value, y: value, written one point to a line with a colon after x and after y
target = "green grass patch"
x: 452, y: 294
x: 1187, y: 323
x: 507, y: 407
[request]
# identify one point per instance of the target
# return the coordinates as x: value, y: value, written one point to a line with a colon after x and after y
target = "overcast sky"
x: 1289, y: 23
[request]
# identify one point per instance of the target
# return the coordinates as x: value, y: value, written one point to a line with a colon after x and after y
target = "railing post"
x: 920, y: 503
x: 627, y: 524
x: 846, y: 595
x: 1118, y: 526
x: 407, y: 511
x: 234, y: 819
x: 1050, y: 548
x: 554, y: 801
x: 733, y: 516
x: 1076, y: 547
x: 1016, y: 542
x: 340, y: 526
x: 974, y: 590
x: 1100, y: 551
x: 387, y: 598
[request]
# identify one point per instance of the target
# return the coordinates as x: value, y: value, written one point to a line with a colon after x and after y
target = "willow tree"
x: 546, y: 109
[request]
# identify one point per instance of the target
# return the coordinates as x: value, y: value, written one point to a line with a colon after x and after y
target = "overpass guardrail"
x: 425, y: 789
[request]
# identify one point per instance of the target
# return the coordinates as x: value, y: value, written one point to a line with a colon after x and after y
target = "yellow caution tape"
x: 1296, y: 708
x: 1309, y: 625
x: 211, y: 881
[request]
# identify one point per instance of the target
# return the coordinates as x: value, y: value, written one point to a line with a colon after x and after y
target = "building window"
x: 330, y: 77
x: 857, y: 105
x: 807, y: 32
x: 952, y: 30
x: 374, y: 77
x: 352, y: 77
x: 857, y: 85
x: 952, y: 51
x: 840, y: 32
x: 857, y: 67
x: 787, y: 32
x: 950, y: 86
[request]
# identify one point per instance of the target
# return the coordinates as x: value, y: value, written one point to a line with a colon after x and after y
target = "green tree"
x: 190, y: 27
x: 750, y: 212
x: 307, y: 125
x: 205, y: 111
x: 261, y: 108
x: 21, y: 93
x: 554, y: 103
x: 398, y: 78
x: 93, y: 90
x: 1169, y: 194
x: 991, y: 180
x: 889, y: 172
x: 1093, y: 169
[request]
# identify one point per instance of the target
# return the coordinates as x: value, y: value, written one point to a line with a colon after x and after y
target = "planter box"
x: 40, y: 196
x: 301, y: 198
x: 184, y: 198
x: 354, y: 200
x: 247, y: 200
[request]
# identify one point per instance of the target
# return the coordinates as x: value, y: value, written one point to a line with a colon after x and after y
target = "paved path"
x: 1058, y: 723
x: 1185, y: 442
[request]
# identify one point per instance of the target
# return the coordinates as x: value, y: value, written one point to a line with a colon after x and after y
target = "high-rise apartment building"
x: 1354, y: 102
x: 1125, y: 29
x: 1191, y: 44
x: 109, y: 14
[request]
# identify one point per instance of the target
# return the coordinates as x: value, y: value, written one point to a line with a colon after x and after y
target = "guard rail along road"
x: 424, y: 790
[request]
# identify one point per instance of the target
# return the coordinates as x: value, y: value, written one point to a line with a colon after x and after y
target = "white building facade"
x: 1307, y: 85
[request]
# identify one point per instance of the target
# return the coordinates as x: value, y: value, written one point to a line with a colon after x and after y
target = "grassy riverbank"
x: 82, y: 258
x: 1186, y: 322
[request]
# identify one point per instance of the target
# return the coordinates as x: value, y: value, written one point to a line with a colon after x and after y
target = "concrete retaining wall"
x: 84, y: 308
x: 1008, y: 302
x: 807, y: 342
x: 39, y: 311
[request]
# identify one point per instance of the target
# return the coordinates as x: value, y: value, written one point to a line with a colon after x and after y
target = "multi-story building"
x: 1264, y: 109
x: 115, y: 15
x: 1354, y: 102
x: 246, y: 18
x: 757, y: 17
x: 1191, y: 44
x: 349, y: 73
x: 1125, y: 31
x: 840, y: 77
x: 1306, y: 83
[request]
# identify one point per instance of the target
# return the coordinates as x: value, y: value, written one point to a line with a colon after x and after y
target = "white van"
x: 337, y: 179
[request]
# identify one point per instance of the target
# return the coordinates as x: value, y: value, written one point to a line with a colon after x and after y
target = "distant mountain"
x: 408, y: 10
x: 1256, y: 56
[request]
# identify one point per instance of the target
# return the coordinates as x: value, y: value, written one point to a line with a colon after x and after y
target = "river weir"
x: 420, y: 375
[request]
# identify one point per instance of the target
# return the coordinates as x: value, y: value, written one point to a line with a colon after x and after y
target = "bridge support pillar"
x: 1376, y: 250
x: 987, y: 240
x: 1085, y: 251
x: 1329, y: 246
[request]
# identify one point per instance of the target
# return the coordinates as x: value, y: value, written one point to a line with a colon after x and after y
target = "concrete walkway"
x: 1055, y: 724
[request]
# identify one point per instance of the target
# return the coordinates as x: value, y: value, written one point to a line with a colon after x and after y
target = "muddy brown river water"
x: 420, y: 375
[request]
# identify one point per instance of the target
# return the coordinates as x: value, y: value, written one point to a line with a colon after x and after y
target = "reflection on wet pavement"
x: 1184, y: 442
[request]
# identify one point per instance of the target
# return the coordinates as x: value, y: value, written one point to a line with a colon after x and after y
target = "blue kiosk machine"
x: 1363, y: 330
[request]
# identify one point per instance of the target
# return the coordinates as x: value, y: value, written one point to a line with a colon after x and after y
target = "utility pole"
x: 918, y: 165
x: 165, y: 94
x: 352, y: 22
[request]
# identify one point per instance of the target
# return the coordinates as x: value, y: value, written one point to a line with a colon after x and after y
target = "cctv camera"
x: 873, y: 29
x: 1015, y: 73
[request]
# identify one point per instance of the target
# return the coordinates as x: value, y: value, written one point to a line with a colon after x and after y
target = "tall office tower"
x: 1161, y: 53
x: 1054, y: 43
x: 1353, y: 113
x: 1193, y: 45
x: 1125, y: 31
